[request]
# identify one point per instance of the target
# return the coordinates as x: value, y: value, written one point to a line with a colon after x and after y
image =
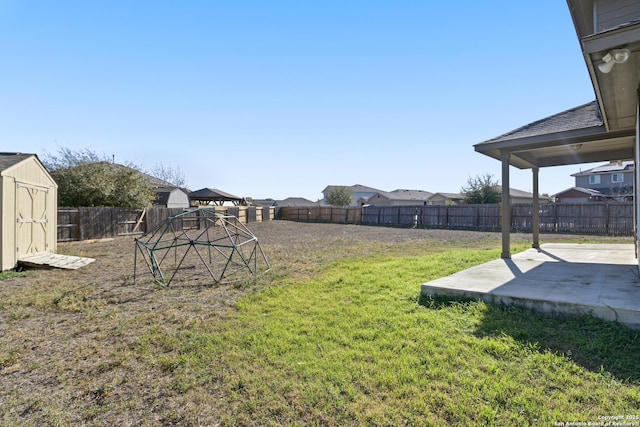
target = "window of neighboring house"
x: 594, y: 179
x: 617, y: 177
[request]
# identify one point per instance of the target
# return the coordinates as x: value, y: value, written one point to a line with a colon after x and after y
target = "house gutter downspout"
x: 506, y: 206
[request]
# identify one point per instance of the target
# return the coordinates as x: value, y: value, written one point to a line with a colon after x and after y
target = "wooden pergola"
x: 603, y: 130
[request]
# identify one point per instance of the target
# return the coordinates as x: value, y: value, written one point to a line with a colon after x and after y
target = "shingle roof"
x: 450, y: 195
x: 357, y: 188
x: 581, y: 117
x: 587, y: 191
x: 212, y: 194
x: 609, y: 167
x: 295, y: 201
x: 401, y: 194
x: 8, y: 160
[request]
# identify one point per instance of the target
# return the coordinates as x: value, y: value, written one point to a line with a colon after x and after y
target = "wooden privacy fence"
x: 590, y: 218
x: 343, y: 215
x: 75, y: 224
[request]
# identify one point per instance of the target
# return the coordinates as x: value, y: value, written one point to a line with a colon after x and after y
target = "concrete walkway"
x: 601, y: 280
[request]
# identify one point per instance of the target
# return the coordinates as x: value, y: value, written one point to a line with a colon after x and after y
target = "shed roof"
x: 8, y: 160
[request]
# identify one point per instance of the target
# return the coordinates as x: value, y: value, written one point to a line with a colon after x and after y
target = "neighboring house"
x: 446, y: 199
x: 612, y: 181
x: 578, y: 195
x: 171, y: 197
x: 294, y: 202
x: 515, y: 196
x: 519, y: 196
x: 360, y: 193
x: 400, y: 198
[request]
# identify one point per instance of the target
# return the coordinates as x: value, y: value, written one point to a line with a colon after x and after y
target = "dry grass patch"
x: 334, y: 334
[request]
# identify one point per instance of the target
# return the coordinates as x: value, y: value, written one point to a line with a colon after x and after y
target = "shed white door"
x: 31, y: 219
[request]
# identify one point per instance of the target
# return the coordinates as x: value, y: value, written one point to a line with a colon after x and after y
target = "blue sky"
x: 282, y: 98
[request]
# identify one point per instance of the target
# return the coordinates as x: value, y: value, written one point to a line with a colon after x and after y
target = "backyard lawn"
x: 334, y: 334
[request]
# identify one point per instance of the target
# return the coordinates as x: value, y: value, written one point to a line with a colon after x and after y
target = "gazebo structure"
x: 603, y: 130
x: 213, y: 197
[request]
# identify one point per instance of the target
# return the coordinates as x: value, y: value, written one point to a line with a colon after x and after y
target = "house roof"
x: 8, y: 160
x: 586, y: 191
x: 583, y: 116
x: 453, y: 196
x: 603, y: 192
x: 401, y: 194
x: 295, y: 201
x: 514, y: 192
x: 609, y: 167
x: 357, y: 188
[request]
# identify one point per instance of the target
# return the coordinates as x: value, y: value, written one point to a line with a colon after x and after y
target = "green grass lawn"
x: 356, y: 345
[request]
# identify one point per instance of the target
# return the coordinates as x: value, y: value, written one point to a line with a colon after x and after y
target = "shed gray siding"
x: 610, y: 14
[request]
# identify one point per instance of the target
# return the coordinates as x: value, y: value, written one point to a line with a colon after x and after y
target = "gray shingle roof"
x: 212, y: 194
x: 295, y: 201
x: 581, y: 117
x: 609, y: 167
x: 402, y: 194
x: 8, y: 160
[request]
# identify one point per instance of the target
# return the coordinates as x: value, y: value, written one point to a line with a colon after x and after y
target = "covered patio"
x: 600, y: 280
x: 602, y: 130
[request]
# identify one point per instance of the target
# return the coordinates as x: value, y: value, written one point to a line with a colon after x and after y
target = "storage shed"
x: 28, y: 209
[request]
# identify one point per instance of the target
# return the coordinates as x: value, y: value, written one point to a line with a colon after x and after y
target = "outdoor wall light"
x: 576, y: 146
x: 613, y: 57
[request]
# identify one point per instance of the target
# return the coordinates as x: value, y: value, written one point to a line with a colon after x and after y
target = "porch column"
x: 506, y: 206
x: 535, y: 214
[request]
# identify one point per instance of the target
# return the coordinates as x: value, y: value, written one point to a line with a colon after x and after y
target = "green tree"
x: 85, y: 178
x: 481, y: 189
x: 340, y: 196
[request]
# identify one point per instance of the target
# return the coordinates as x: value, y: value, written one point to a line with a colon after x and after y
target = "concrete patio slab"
x: 595, y: 279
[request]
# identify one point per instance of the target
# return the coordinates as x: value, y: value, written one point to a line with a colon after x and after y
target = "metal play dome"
x: 197, y: 244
